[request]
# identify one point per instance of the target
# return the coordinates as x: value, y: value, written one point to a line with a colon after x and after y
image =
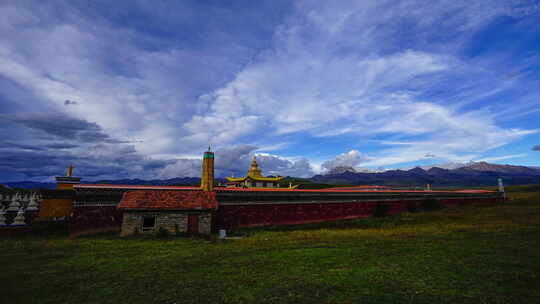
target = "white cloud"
x: 350, y: 159
x: 275, y: 165
x: 273, y: 147
x: 182, y: 168
x: 503, y: 157
x: 364, y: 69
x: 330, y: 86
x: 236, y: 160
x: 316, y: 93
x: 131, y: 92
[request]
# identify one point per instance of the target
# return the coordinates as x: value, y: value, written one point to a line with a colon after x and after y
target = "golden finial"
x: 70, y: 170
x: 254, y: 170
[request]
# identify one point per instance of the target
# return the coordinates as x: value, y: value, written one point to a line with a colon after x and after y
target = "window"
x: 149, y: 223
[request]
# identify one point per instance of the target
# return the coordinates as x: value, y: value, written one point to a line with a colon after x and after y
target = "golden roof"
x: 260, y: 179
x: 254, y: 173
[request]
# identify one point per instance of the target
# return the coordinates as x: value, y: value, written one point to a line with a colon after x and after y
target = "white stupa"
x: 19, y: 219
x: 33, y: 205
x: 15, y: 202
x: 2, y: 216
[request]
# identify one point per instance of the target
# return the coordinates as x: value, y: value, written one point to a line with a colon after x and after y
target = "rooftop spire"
x: 70, y: 171
x: 254, y: 170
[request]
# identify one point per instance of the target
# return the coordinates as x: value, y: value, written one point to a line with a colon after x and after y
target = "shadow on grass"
x: 523, y: 188
x: 383, y: 222
x: 41, y: 229
x: 360, y: 223
x: 158, y: 237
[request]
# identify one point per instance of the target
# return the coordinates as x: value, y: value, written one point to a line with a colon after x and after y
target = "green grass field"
x: 473, y: 254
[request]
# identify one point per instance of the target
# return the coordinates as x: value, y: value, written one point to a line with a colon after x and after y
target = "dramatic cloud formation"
x: 97, y: 161
x: 235, y: 161
x: 536, y: 148
x: 350, y: 159
x: 140, y: 90
x: 60, y: 127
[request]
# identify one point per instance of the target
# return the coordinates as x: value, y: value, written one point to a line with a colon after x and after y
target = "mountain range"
x: 177, y: 181
x: 471, y: 174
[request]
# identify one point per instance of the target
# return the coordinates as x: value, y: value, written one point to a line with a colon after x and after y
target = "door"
x: 193, y: 223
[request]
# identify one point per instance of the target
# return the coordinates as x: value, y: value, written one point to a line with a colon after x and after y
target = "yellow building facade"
x: 57, y: 204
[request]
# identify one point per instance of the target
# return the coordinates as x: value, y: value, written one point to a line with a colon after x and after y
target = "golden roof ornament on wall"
x: 255, y: 173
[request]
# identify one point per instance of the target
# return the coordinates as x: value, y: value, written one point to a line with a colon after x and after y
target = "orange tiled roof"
x: 168, y: 200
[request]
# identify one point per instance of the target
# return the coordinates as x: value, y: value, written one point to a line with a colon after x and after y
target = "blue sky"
x: 139, y: 89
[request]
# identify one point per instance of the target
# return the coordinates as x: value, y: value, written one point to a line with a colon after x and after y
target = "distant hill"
x: 341, y: 170
x: 177, y: 181
x: 472, y: 174
x: 503, y: 169
x: 30, y: 185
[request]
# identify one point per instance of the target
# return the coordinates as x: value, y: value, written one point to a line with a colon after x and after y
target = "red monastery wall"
x: 96, y: 212
x: 94, y: 219
x: 229, y: 216
x: 232, y: 215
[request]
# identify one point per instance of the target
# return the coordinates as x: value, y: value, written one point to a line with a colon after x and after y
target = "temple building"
x: 67, y: 182
x: 58, y: 203
x: 254, y: 179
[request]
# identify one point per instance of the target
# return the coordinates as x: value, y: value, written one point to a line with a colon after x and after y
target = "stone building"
x: 148, y: 211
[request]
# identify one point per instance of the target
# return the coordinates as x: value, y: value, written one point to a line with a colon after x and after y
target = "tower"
x: 207, y: 176
x: 254, y: 170
x: 70, y: 171
x: 67, y: 182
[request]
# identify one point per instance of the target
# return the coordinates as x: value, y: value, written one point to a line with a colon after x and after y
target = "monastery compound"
x: 252, y: 200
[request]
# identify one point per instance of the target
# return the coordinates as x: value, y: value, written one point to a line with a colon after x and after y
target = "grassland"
x: 475, y: 254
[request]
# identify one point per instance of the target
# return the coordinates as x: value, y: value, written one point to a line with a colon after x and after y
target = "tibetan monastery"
x: 253, y: 200
x: 254, y: 179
